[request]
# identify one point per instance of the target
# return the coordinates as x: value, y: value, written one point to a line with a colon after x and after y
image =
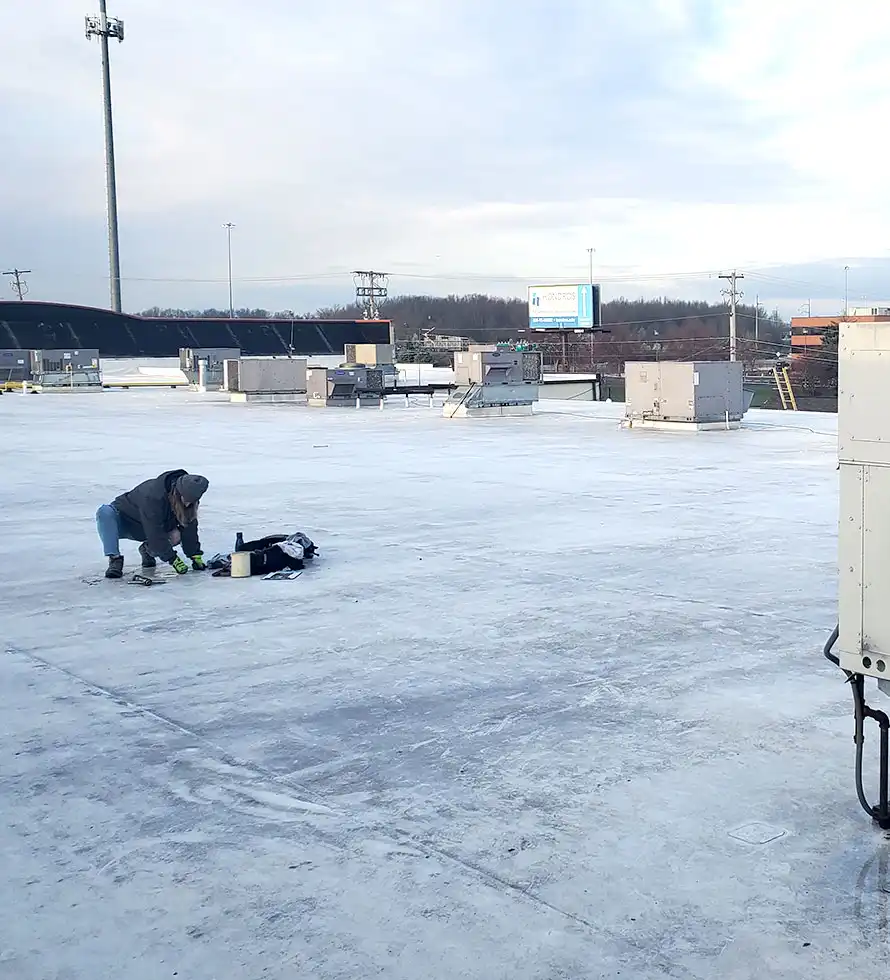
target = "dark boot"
x: 148, y: 560
x: 115, y: 566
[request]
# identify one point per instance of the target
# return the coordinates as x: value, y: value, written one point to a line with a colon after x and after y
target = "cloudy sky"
x: 457, y: 144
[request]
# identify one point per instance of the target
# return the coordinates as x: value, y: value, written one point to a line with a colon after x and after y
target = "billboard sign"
x: 564, y: 307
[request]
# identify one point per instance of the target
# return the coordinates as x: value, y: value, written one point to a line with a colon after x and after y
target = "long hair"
x: 184, y: 513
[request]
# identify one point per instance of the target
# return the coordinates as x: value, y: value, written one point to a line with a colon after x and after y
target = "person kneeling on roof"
x: 160, y: 513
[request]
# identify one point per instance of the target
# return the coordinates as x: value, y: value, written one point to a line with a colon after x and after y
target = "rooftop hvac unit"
x: 50, y: 361
x: 213, y: 357
x: 496, y: 366
x: 66, y: 370
x: 277, y: 379
x: 381, y: 356
x: 369, y: 355
x: 860, y: 644
x: 15, y: 366
x: 493, y: 381
x: 684, y: 394
x: 260, y: 375
x: 345, y: 387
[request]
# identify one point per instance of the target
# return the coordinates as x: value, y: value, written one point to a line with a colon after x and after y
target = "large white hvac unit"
x: 684, y: 394
x: 493, y: 381
x: 265, y: 379
x: 860, y: 644
x: 863, y: 423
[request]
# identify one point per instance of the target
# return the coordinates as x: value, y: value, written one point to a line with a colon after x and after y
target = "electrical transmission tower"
x: 106, y: 28
x: 19, y: 284
x: 734, y: 295
x: 370, y: 292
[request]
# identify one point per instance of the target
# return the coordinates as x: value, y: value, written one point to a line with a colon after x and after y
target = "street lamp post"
x: 106, y: 28
x: 229, y: 226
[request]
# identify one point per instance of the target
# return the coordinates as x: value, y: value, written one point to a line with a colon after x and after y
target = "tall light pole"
x: 105, y: 28
x: 229, y: 226
x: 846, y: 293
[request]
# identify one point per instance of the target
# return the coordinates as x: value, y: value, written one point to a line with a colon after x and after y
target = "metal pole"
x: 732, y: 324
x: 732, y: 278
x: 590, y: 252
x: 114, y: 263
x: 846, y: 295
x: 229, y: 226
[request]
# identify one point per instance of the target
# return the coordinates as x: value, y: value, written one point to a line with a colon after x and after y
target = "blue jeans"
x: 108, y: 524
x: 112, y: 528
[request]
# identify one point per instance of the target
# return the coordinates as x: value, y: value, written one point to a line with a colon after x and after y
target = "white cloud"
x: 444, y: 136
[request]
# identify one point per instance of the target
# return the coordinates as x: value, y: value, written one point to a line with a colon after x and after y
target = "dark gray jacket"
x: 147, y: 513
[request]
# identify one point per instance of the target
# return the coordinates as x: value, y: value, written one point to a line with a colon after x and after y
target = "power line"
x: 492, y: 277
x: 19, y: 284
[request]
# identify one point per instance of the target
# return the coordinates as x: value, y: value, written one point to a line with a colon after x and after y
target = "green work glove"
x: 179, y: 566
x: 198, y: 563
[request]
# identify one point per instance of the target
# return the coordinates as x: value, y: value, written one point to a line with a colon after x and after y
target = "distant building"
x: 809, y: 331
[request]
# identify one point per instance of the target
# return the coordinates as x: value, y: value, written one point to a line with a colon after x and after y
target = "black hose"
x: 857, y: 683
x: 826, y: 650
x: 860, y: 712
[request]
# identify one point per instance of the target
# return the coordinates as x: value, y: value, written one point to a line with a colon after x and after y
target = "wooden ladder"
x: 783, y: 386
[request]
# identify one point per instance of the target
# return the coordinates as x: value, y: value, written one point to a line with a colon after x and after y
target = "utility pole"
x: 734, y: 296
x: 846, y: 293
x: 19, y: 284
x: 229, y: 226
x: 757, y: 319
x: 370, y: 291
x: 105, y: 28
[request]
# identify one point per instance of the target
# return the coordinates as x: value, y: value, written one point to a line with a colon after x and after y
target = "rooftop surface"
x: 550, y: 704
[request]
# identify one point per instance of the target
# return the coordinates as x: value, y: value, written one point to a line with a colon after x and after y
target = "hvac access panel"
x: 864, y: 518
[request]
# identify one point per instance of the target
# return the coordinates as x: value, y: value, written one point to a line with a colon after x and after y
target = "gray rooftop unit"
x: 684, y: 394
x: 494, y: 381
x: 66, y: 370
x: 346, y: 387
x: 380, y: 356
x: 257, y: 379
x: 15, y: 366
